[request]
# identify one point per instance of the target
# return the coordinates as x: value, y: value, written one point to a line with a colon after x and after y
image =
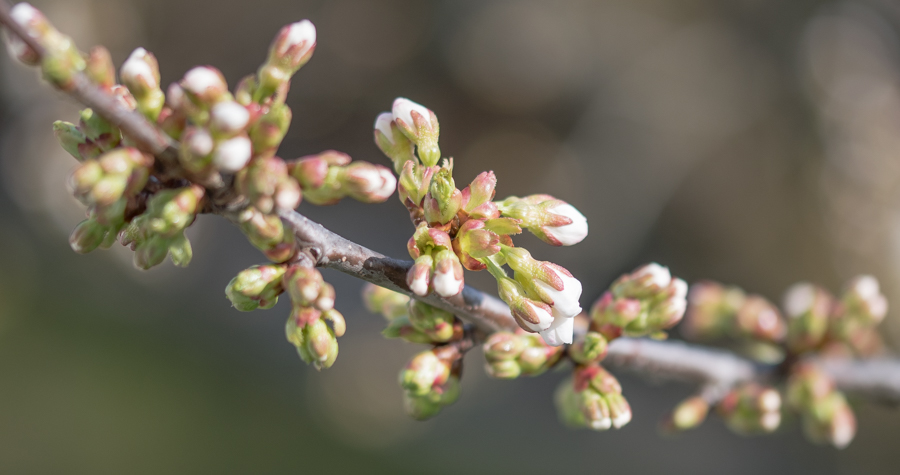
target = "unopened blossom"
x: 140, y: 73
x: 419, y: 276
x: 368, y: 183
x: 421, y: 126
x: 232, y: 154
x: 392, y: 142
x: 553, y: 221
x: 205, y: 83
x: 448, y: 274
x: 229, y: 117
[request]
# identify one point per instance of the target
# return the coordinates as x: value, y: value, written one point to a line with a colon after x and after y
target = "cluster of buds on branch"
x: 813, y: 323
x: 457, y: 229
x: 430, y: 380
x: 150, y: 161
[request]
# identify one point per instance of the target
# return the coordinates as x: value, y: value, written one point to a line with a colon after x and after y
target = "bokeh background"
x: 749, y: 141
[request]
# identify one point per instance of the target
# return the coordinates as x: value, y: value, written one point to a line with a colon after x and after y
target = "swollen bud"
x: 386, y: 302
x: 393, y: 142
x: 423, y: 373
x: 140, y: 74
x: 421, y: 126
x: 256, y: 287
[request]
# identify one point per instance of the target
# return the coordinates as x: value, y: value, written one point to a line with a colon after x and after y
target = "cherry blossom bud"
x: 759, y: 319
x: 807, y: 308
x: 338, y: 324
x: 751, y: 408
x: 474, y: 242
x: 392, y: 142
x: 290, y: 50
x: 196, y: 149
x: 448, y: 274
x: 256, y: 287
x: 303, y: 284
x: 648, y: 280
x: 712, y: 309
x: 479, y: 192
x: 205, y: 85
x: 315, y: 341
x: 100, y: 68
x: 424, y: 372
x: 426, y: 406
x: 400, y: 327
x: 419, y: 276
x: 386, y: 302
x: 87, y: 236
x: 70, y: 138
x: 233, y: 154
x: 864, y: 300
x: 831, y: 421
x: 689, y: 414
x: 553, y: 221
x: 503, y: 346
x: 443, y: 199
x: 140, y: 74
x: 619, y: 410
x: 532, y: 316
x: 268, y: 132
x: 414, y: 182
x: 421, y: 126
x: 368, y: 183
x: 432, y: 321
x: 228, y: 118
x: 590, y: 349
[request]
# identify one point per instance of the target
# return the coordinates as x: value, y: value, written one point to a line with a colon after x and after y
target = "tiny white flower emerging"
x: 383, y: 124
x: 560, y: 332
x: 565, y: 302
x: 569, y: 234
x: 419, y: 286
x: 302, y: 33
x: 288, y: 198
x: 233, y: 154
x: 403, y: 108
x: 621, y: 419
x: 229, y: 117
x: 446, y: 284
x: 136, y: 70
x: 545, y: 318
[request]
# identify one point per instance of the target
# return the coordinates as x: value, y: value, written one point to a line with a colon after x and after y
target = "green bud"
x: 256, y: 287
x: 400, y: 327
x: 432, y: 321
x: 423, y: 373
x: 591, y: 349
x: 150, y: 253
x: 504, y: 369
x: 69, y: 137
x: 321, y: 344
x: 180, y: 251
x: 87, y: 236
x: 689, y: 414
x: 100, y: 68
x: 268, y: 132
x: 386, y: 302
x: 95, y: 128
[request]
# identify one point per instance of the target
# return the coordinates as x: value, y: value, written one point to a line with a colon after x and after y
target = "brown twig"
x: 879, y: 379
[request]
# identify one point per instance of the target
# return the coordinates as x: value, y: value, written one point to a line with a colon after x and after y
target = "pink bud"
x: 294, y: 44
x: 418, y: 278
x: 140, y: 72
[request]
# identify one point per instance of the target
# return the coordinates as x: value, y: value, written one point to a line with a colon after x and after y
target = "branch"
x: 664, y: 360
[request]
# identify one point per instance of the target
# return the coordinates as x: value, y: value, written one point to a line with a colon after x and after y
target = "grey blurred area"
x: 749, y: 141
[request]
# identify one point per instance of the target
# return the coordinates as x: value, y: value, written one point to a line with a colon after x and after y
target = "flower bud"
x: 531, y: 316
x: 180, y: 251
x: 100, y: 68
x: 204, y: 85
x: 424, y: 372
x: 689, y: 414
x: 69, y: 137
x: 228, y: 118
x: 303, y: 284
x: 231, y: 155
x: 646, y: 281
x: 400, y: 327
x: 830, y: 421
x: 711, y: 311
x: 448, y: 274
x: 321, y: 343
x: 368, y: 183
x: 474, y: 242
x: 553, y: 221
x: 386, y: 302
x: 414, y: 182
x: 35, y: 24
x: 421, y: 126
x: 325, y: 299
x: 759, y: 319
x: 290, y: 50
x: 429, y: 405
x: 443, y: 199
x: 503, y: 346
x: 807, y: 308
x: 256, y: 287
x: 268, y: 132
x: 87, y: 236
x: 590, y: 349
x: 392, y: 142
x: 863, y: 300
x: 751, y: 408
x: 619, y: 409
x: 140, y: 74
x: 418, y: 278
x: 432, y: 321
x: 150, y: 252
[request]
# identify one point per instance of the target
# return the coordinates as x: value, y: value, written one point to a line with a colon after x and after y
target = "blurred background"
x: 748, y: 141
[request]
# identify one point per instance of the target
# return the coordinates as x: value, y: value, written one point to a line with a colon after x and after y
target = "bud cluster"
x: 593, y: 399
x: 813, y: 320
x: 751, y: 409
x: 644, y: 302
x: 159, y: 231
x: 430, y: 381
x: 61, y: 60
x: 827, y: 418
x: 510, y: 355
x: 457, y: 229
